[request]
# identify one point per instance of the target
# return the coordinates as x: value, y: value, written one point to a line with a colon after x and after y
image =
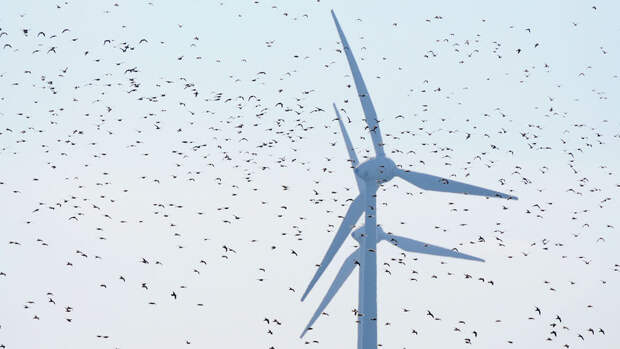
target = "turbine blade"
x: 434, y: 183
x: 347, y: 141
x: 343, y: 275
x: 362, y: 92
x: 353, y: 214
x: 411, y: 245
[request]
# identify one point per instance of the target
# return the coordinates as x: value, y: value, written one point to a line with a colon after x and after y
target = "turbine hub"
x: 377, y: 169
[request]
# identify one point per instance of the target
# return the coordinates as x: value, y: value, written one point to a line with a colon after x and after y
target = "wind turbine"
x: 369, y: 175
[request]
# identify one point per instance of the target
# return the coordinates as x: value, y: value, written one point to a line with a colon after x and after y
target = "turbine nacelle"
x: 379, y: 169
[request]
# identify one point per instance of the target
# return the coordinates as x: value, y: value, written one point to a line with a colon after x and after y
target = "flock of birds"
x: 119, y: 155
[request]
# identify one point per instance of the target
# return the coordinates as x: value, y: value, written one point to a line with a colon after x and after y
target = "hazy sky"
x: 172, y: 147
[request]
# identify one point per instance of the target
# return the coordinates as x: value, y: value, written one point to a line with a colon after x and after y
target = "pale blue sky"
x: 512, y: 106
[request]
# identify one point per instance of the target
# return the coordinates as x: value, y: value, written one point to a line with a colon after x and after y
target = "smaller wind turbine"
x: 369, y: 176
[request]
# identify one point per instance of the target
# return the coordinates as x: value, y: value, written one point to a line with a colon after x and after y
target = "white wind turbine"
x: 369, y: 176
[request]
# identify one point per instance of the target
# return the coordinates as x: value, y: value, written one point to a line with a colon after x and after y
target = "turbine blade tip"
x: 335, y: 18
x: 305, y: 295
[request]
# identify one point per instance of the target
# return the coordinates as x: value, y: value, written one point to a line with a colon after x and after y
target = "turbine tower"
x: 369, y: 175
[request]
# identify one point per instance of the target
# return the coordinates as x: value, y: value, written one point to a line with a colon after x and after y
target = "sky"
x: 167, y: 144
